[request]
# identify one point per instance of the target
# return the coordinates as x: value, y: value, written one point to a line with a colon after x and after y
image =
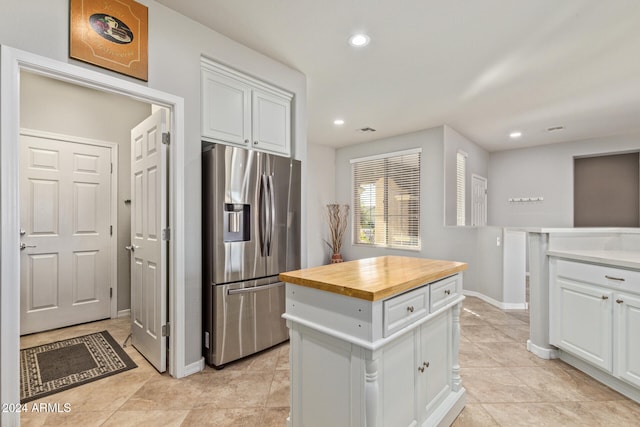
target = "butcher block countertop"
x: 373, y: 279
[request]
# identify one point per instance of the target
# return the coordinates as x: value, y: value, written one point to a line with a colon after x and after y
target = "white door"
x: 478, y: 200
x: 148, y: 248
x: 65, y: 205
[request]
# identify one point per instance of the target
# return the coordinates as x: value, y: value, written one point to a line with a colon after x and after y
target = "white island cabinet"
x: 374, y: 343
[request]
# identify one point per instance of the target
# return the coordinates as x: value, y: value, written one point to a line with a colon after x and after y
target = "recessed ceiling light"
x: 338, y: 122
x: 359, y: 40
x: 516, y: 134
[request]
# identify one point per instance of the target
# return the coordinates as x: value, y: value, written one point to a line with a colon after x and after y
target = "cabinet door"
x: 628, y: 337
x: 434, y: 383
x: 271, y: 121
x: 585, y: 322
x: 226, y: 109
x: 399, y: 374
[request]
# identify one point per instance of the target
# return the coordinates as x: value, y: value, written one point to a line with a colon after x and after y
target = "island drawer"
x: 443, y: 292
x: 405, y: 309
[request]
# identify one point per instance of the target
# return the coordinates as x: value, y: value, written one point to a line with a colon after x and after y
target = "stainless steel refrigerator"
x: 251, y: 226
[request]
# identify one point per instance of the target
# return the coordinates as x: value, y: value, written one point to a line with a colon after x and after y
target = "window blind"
x: 461, y: 168
x: 386, y: 200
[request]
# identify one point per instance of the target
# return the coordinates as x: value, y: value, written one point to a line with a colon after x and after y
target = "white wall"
x: 55, y: 106
x: 477, y: 163
x: 545, y: 171
x: 175, y: 47
x: 320, y: 192
x: 490, y: 262
x: 438, y: 241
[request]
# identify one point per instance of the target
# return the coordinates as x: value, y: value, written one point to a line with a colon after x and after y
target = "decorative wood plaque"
x: 111, y: 34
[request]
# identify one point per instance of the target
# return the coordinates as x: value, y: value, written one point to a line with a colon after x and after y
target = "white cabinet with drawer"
x: 391, y: 362
x: 594, y: 319
x: 243, y: 111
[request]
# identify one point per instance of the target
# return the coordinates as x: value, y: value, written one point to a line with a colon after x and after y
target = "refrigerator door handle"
x: 264, y: 215
x: 253, y: 288
x: 272, y: 219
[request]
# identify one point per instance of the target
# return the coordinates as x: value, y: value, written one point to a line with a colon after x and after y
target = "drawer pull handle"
x: 619, y: 301
x: 618, y: 279
x: 604, y: 297
x: 447, y: 292
x: 410, y: 309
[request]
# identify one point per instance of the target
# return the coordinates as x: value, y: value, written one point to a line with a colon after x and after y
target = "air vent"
x: 367, y: 129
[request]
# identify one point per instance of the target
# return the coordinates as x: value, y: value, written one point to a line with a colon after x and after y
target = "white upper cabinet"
x: 226, y: 115
x: 240, y: 110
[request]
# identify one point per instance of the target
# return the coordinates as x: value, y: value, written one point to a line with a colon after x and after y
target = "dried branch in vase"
x: 337, y: 216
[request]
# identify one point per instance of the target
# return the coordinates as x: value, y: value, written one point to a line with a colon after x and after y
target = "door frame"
x: 113, y: 201
x: 12, y: 61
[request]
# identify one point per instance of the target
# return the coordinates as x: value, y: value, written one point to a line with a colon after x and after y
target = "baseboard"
x: 124, y: 313
x: 495, y: 303
x: 607, y: 379
x: 194, y: 368
x: 541, y: 352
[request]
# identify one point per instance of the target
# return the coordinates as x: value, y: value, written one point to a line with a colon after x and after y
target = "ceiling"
x: 485, y: 68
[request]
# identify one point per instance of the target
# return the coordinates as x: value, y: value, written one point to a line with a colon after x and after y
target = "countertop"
x: 373, y: 279
x: 577, y: 230
x: 617, y: 258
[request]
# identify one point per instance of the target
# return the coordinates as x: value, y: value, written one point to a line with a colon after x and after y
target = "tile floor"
x: 506, y: 385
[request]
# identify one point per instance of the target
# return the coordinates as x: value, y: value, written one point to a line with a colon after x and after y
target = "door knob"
x: 23, y: 231
x: 25, y: 246
x: 131, y: 248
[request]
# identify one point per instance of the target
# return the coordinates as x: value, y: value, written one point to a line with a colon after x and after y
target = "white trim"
x: 607, y: 379
x: 11, y: 63
x: 541, y: 352
x: 113, y: 239
x: 387, y: 155
x: 124, y: 313
x: 9, y: 226
x: 195, y: 367
x: 501, y: 305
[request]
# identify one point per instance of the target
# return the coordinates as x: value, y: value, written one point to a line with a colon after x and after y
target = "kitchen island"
x: 374, y: 342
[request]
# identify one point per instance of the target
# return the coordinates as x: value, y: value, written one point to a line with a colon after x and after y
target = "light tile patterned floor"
x: 506, y: 385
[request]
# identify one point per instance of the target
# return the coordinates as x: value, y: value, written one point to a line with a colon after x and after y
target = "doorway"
x: 478, y: 201
x: 11, y: 64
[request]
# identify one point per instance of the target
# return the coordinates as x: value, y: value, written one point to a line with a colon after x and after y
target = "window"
x: 461, y: 176
x: 386, y: 200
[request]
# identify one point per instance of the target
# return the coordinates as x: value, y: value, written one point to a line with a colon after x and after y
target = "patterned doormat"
x: 52, y: 368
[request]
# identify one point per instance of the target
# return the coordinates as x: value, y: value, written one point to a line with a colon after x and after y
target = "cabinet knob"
x: 425, y: 364
x: 604, y: 297
x: 255, y: 142
x: 246, y: 141
x: 410, y: 309
x: 421, y: 368
x: 447, y: 292
x: 619, y: 301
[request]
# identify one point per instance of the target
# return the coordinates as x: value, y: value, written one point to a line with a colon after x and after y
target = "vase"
x: 336, y: 258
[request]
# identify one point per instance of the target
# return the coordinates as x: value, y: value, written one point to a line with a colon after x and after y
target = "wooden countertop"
x: 373, y: 279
